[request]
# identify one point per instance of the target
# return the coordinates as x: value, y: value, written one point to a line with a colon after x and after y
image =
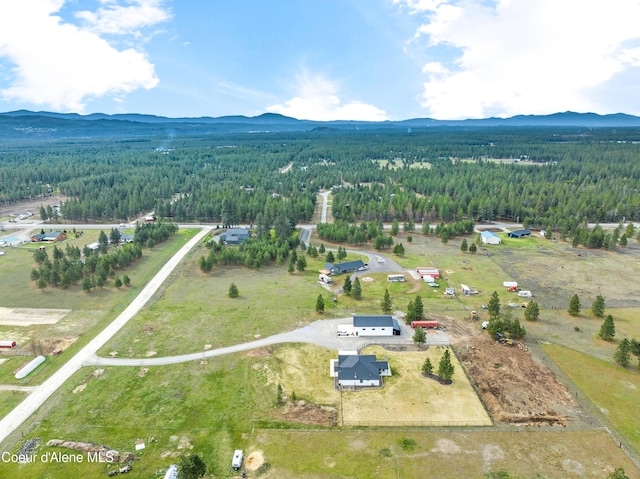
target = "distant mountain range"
x: 25, y: 124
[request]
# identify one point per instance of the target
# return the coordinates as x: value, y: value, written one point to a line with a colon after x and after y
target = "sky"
x: 323, y: 60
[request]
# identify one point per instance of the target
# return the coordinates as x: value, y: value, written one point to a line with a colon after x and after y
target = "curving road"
x: 41, y: 393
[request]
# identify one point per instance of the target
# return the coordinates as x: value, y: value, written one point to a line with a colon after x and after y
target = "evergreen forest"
x: 553, y: 178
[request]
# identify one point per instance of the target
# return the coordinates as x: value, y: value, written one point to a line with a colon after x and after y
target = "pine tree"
x: 574, y: 305
x: 301, y: 264
x: 411, y: 313
x: 395, y: 228
x: 608, y: 329
x: 321, y: 249
x: 445, y: 368
x: 464, y: 247
x: 385, y: 303
x: 622, y: 355
x: 347, y: 287
x: 330, y: 257
x: 473, y: 248
x: 597, y: 308
x: 418, y: 307
x: 126, y: 280
x: 532, y: 312
x: 356, y: 290
x: 192, y: 467
x: 419, y: 336
x: 320, y: 304
x: 494, y: 305
x: 427, y: 367
x: 233, y: 291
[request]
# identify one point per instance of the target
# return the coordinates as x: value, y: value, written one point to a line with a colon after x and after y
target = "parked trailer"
x: 236, y: 463
x: 396, y: 278
x: 525, y: 294
x: 424, y: 324
x: 8, y: 344
x: 324, y: 278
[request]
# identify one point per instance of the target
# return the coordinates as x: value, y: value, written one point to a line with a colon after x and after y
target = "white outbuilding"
x: 489, y: 237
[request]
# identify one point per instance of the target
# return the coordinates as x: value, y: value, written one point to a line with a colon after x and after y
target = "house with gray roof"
x: 358, y: 370
x: 347, y: 267
x: 235, y: 236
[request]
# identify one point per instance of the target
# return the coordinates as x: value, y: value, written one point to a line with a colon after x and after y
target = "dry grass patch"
x: 409, y: 398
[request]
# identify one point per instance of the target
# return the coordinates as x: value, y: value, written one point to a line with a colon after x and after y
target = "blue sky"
x: 321, y: 59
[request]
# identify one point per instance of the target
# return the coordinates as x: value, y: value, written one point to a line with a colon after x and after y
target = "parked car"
x: 434, y: 285
x: 113, y: 472
x: 125, y: 468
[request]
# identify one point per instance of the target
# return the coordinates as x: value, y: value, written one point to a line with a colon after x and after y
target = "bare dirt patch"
x: 54, y: 345
x: 514, y: 386
x: 259, y: 353
x: 254, y: 461
x: 311, y: 414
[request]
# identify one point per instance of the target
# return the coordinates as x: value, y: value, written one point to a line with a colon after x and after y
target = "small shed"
x: 466, y: 290
x: 489, y: 237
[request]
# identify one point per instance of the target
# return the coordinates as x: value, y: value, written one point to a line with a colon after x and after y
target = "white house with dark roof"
x: 375, y: 325
x: 358, y: 370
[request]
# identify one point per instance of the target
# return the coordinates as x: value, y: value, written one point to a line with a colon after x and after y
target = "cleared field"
x: 408, y: 398
x: 30, y: 316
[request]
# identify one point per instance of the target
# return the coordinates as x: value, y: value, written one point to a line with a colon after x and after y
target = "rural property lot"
x: 408, y: 398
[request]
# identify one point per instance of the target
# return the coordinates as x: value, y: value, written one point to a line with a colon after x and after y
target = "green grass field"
x: 612, y: 389
x: 91, y: 312
x: 228, y: 402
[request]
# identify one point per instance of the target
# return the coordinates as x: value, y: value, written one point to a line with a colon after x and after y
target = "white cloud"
x: 523, y: 56
x: 124, y: 19
x: 317, y: 99
x: 63, y: 66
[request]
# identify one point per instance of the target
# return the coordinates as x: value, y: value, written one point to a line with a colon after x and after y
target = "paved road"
x: 321, y: 332
x: 41, y: 393
x: 325, y: 205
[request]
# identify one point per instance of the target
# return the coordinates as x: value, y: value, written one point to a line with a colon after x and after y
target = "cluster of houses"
x: 489, y: 237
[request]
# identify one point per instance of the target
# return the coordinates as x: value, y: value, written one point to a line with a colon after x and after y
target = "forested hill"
x: 27, y: 124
